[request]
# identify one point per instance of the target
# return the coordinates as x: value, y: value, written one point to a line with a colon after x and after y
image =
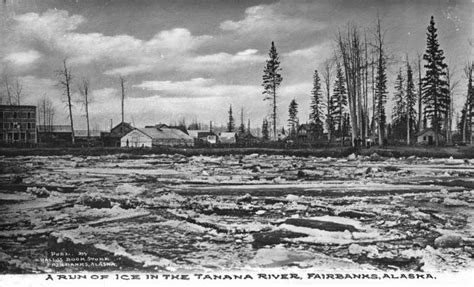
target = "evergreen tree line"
x: 360, y: 81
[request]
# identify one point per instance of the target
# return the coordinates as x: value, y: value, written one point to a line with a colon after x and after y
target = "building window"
x: 16, y: 136
x: 424, y: 138
x: 15, y: 115
x: 1, y: 115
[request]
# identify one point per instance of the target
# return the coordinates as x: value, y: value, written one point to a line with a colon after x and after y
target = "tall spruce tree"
x: 411, y: 102
x: 463, y: 124
x: 271, y: 81
x: 265, y: 131
x: 399, y: 108
x: 339, y: 101
x: 317, y: 113
x: 435, y: 87
x: 231, y: 123
x: 293, y: 117
x: 242, y: 125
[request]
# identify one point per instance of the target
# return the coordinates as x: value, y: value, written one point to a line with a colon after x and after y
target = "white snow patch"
x: 319, y: 236
x: 278, y: 255
x: 340, y: 220
x: 129, y: 189
x: 185, y: 226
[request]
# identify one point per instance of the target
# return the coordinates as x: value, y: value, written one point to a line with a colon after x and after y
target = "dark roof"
x: 17, y: 107
x: 158, y: 126
x: 246, y: 135
x: 424, y: 131
x: 306, y: 127
x: 126, y: 126
x: 205, y: 134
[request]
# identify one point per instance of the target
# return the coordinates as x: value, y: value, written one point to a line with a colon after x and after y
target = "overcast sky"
x: 192, y: 59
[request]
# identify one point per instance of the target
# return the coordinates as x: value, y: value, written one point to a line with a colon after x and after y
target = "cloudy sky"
x: 192, y: 59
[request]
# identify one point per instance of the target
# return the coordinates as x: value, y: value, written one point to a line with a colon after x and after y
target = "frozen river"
x: 177, y: 213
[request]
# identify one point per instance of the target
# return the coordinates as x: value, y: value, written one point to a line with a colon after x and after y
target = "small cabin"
x: 427, y: 137
x: 227, y: 137
x: 207, y: 137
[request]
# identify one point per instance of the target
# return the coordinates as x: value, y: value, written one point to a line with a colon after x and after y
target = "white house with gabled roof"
x: 136, y: 138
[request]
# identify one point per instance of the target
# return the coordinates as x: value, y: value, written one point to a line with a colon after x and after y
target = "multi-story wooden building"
x: 17, y: 124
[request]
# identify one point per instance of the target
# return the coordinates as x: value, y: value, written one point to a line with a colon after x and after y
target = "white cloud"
x: 225, y: 61
x: 56, y: 30
x: 318, y: 50
x: 130, y: 70
x: 198, y: 87
x: 23, y: 59
x: 49, y: 24
x: 273, y: 18
x: 167, y: 50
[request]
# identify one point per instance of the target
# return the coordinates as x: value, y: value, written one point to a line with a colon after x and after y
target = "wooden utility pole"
x: 84, y: 89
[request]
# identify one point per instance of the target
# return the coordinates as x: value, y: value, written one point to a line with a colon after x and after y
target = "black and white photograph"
x: 228, y: 143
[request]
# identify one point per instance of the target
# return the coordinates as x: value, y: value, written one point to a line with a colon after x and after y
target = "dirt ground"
x: 182, y: 213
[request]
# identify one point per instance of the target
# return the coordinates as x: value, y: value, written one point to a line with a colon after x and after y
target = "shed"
x: 194, y: 133
x: 227, y: 137
x: 207, y: 137
x: 427, y: 137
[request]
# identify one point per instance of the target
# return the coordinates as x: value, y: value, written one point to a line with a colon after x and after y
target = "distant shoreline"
x: 337, y: 152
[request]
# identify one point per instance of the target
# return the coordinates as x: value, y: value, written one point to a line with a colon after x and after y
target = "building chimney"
x: 210, y: 126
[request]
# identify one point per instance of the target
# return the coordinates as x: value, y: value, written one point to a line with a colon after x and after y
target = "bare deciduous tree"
x: 327, y: 75
x: 7, y: 88
x: 18, y: 88
x: 351, y: 53
x: 65, y: 80
x: 449, y: 116
x: 46, y: 113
